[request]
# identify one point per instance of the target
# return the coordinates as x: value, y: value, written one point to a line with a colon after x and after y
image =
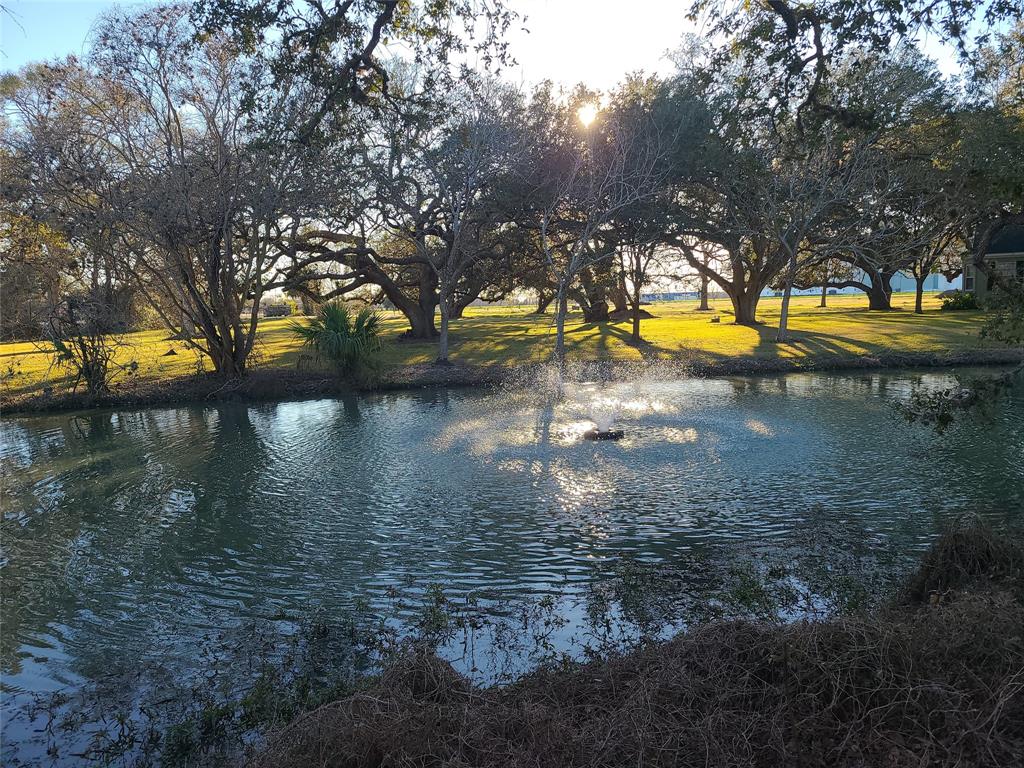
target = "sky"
x: 596, y: 42
x: 44, y: 29
x: 569, y: 41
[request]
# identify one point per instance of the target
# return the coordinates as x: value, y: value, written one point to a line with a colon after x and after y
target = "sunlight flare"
x: 587, y: 114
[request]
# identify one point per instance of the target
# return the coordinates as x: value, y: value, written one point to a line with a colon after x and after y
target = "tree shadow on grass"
x: 522, y: 339
x: 614, y: 330
x: 815, y: 344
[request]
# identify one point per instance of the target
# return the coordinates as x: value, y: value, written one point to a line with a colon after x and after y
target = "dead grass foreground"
x: 936, y: 679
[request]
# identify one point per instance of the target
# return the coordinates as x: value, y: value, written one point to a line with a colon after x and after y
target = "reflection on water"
x: 127, y: 527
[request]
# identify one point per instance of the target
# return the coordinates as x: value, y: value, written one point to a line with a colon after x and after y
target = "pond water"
x: 129, y: 533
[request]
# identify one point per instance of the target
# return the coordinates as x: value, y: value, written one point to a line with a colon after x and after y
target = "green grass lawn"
x: 511, y: 336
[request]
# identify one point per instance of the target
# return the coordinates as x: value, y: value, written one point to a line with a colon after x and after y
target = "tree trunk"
x: 619, y: 296
x: 786, y: 296
x: 307, y: 305
x: 226, y: 343
x: 543, y: 302
x: 824, y: 296
x: 457, y: 306
x: 225, y: 360
x: 419, y: 311
x: 442, y: 342
x: 421, y: 322
x: 744, y: 306
x: 636, y: 316
x: 784, y: 314
x: 560, y: 312
x: 596, y: 312
x: 188, y: 327
x: 593, y: 297
x: 880, y: 292
x: 704, y: 283
x: 919, y: 294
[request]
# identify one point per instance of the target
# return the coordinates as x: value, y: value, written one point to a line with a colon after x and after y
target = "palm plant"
x: 350, y: 343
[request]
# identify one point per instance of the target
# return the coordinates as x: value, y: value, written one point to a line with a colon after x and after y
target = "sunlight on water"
x: 543, y: 417
x: 679, y: 436
x: 759, y: 427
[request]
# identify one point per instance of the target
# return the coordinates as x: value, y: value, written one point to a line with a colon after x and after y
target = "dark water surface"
x: 125, y: 528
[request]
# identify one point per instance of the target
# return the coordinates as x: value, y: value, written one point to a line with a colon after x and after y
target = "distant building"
x: 901, y: 282
x: 904, y: 282
x: 1005, y: 256
x: 647, y: 298
x: 279, y: 309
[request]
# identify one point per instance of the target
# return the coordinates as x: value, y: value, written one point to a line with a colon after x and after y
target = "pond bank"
x: 275, y: 384
x: 932, y: 678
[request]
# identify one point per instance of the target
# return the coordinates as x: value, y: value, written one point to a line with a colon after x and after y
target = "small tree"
x: 799, y: 196
x: 822, y: 270
x: 86, y: 339
x: 942, y: 253
x: 350, y: 343
x: 636, y: 236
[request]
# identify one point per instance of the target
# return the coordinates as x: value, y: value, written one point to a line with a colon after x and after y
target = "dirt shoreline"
x: 288, y: 384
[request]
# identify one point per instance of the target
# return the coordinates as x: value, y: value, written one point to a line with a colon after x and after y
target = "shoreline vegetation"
x: 493, y: 346
x: 278, y: 385
x: 932, y: 676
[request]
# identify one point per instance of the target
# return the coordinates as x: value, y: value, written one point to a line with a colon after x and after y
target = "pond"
x: 130, y: 534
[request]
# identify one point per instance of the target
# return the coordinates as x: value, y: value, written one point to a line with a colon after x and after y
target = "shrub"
x: 85, y: 332
x: 967, y: 553
x: 350, y: 344
x: 1005, y: 322
x: 960, y: 300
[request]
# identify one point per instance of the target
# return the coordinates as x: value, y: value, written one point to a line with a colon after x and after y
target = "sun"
x: 587, y: 114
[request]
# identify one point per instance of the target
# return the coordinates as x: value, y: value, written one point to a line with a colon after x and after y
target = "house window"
x: 969, y: 279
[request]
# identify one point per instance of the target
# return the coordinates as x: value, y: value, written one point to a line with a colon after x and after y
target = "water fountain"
x: 603, y: 412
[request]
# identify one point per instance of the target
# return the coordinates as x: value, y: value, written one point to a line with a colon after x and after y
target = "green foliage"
x: 349, y: 343
x: 798, y: 43
x: 939, y: 408
x: 333, y: 45
x: 1005, y: 323
x: 960, y: 300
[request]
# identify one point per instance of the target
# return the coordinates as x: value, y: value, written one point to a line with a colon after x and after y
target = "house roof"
x: 1009, y: 239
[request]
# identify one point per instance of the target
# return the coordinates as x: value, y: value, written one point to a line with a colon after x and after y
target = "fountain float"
x: 603, y: 434
x: 603, y: 412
